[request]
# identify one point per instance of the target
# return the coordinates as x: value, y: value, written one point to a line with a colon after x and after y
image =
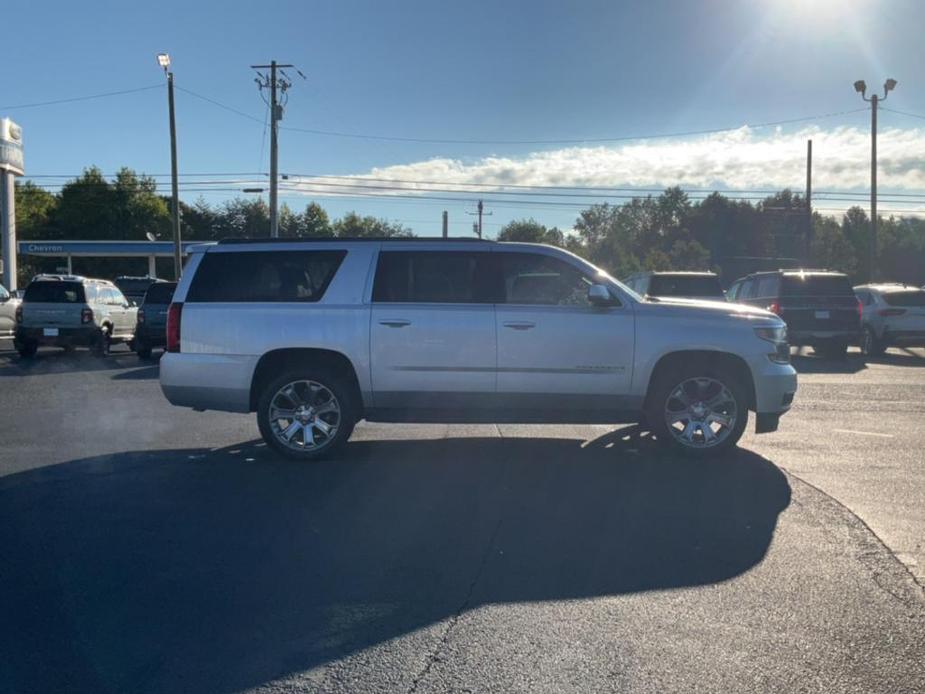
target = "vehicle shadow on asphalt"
x: 811, y: 364
x: 142, y: 373
x: 215, y: 571
x: 56, y: 361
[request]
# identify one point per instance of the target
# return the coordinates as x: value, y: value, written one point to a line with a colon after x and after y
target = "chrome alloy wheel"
x: 700, y: 412
x: 304, y: 415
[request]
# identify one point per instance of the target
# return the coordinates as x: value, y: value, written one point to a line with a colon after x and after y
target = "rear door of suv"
x: 432, y: 330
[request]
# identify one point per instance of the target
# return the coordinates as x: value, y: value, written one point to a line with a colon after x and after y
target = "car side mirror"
x: 599, y: 295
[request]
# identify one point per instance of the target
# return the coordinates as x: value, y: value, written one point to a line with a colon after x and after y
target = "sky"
x: 451, y: 94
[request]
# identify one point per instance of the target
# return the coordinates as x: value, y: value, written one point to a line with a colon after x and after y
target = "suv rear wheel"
x: 305, y: 414
x: 103, y: 343
x: 27, y: 350
x: 870, y: 345
x: 699, y: 410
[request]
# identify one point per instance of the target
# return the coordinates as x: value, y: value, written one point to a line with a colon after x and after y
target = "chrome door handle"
x: 519, y: 325
x: 395, y: 322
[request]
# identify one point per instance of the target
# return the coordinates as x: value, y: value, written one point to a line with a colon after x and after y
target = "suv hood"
x: 706, y: 309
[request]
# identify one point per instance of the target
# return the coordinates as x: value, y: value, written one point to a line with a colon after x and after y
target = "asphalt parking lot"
x: 148, y: 549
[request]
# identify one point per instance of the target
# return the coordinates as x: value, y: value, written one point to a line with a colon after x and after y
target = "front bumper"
x: 775, y: 387
x: 84, y: 336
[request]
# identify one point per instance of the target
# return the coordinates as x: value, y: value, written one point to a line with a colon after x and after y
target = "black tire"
x: 27, y: 350
x: 667, y: 382
x: 143, y: 350
x: 836, y: 348
x: 342, y: 394
x: 103, y: 343
x: 871, y: 346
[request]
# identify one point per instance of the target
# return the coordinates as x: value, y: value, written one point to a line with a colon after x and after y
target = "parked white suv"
x: 891, y: 314
x: 315, y: 335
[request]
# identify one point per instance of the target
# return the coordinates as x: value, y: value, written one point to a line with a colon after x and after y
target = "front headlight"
x: 778, y: 337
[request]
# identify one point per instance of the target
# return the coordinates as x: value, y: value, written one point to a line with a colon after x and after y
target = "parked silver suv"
x: 69, y: 311
x: 315, y: 335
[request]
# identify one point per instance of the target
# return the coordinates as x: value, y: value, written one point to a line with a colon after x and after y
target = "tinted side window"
x: 748, y: 289
x: 438, y: 277
x: 264, y: 276
x: 4, y: 294
x: 733, y: 291
x: 768, y: 286
x: 531, y: 278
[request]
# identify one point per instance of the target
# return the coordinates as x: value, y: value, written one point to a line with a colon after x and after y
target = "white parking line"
x: 863, y: 433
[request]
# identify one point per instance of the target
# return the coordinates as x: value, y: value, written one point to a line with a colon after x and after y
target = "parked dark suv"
x: 151, y: 324
x: 819, y: 306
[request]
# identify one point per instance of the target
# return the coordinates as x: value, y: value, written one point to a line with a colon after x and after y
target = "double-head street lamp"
x: 164, y: 61
x: 861, y: 88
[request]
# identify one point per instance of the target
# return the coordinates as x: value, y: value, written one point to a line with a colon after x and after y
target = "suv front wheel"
x: 698, y: 410
x: 305, y: 415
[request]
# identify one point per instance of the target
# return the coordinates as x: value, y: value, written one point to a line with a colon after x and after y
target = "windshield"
x: 685, y: 285
x: 55, y: 293
x: 816, y: 285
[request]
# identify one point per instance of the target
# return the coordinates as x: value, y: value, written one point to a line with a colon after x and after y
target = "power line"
x: 626, y: 138
x: 83, y: 98
x: 902, y: 113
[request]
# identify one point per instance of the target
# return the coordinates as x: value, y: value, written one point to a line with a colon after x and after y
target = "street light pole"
x: 861, y: 88
x: 164, y: 61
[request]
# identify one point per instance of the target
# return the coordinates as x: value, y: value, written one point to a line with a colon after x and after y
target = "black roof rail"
x: 350, y: 239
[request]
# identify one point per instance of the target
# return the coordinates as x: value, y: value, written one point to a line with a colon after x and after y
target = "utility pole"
x: 446, y: 224
x: 164, y: 61
x: 275, y: 85
x: 861, y: 88
x: 11, y: 165
x: 808, y: 239
x: 477, y: 228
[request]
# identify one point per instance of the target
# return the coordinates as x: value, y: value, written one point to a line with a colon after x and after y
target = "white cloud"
x: 738, y: 159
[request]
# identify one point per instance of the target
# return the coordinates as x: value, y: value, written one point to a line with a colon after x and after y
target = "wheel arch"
x: 273, y: 362
x: 712, y: 359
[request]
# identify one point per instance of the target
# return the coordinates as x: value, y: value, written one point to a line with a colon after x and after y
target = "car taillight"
x: 891, y: 312
x: 775, y: 308
x: 141, y: 315
x: 19, y: 314
x: 86, y: 315
x: 860, y: 309
x: 173, y: 327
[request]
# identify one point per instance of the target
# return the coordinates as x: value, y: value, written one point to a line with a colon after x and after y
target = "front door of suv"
x: 432, y: 330
x: 557, y: 351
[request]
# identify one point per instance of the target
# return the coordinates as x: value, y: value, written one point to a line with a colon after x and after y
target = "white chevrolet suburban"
x: 316, y: 335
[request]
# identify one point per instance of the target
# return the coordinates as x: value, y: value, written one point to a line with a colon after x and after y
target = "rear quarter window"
x: 55, y: 293
x: 264, y: 276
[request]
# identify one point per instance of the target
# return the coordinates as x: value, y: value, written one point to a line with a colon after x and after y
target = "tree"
x: 353, y: 225
x: 830, y: 248
x: 90, y: 207
x: 35, y: 209
x: 531, y: 231
x: 314, y: 222
x: 688, y: 255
